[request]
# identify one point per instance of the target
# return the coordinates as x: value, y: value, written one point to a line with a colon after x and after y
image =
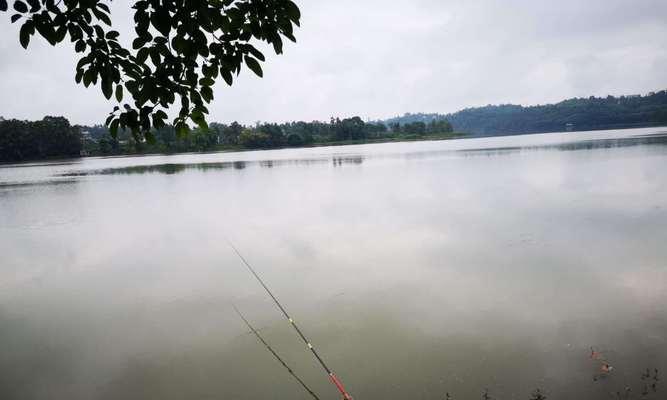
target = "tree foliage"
x: 419, y: 128
x: 572, y: 114
x: 180, y: 48
x: 54, y: 137
x: 31, y: 140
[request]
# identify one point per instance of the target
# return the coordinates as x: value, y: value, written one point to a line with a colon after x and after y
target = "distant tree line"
x: 573, y: 114
x: 219, y: 136
x: 52, y: 137
x: 419, y: 128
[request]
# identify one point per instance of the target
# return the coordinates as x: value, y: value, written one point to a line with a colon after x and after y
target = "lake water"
x: 415, y: 268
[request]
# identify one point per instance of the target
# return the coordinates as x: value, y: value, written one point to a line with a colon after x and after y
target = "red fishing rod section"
x: 332, y: 377
x: 339, y: 386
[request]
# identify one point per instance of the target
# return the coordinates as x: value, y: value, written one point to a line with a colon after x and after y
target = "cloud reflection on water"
x: 413, y: 274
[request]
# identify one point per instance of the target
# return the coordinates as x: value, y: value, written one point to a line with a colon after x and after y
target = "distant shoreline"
x: 406, y: 138
x: 238, y: 149
x: 609, y: 127
x: 222, y: 148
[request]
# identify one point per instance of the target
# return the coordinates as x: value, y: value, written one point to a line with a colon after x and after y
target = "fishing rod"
x: 261, y: 339
x: 332, y: 377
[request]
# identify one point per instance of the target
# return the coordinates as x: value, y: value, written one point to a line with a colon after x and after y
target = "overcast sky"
x: 380, y: 58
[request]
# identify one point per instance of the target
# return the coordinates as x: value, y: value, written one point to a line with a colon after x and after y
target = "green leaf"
x: 80, y: 46
x: 254, y: 66
x: 75, y: 32
x: 61, y: 32
x: 138, y: 43
x: 158, y: 119
x: 293, y: 11
x: 198, y: 118
x: 178, y: 43
x: 277, y: 45
x: 207, y: 94
x: 102, y: 16
x: 88, y: 77
x: 210, y: 71
x: 227, y: 76
x: 185, y: 104
x: 161, y: 20
x: 15, y: 17
x: 258, y: 54
x: 104, y: 7
x: 27, y: 29
x: 35, y: 5
x: 206, y: 82
x: 83, y: 61
x: 45, y: 28
x: 20, y: 6
x: 142, y: 55
x: 107, y: 88
x: 99, y: 31
x: 290, y: 36
x: 155, y: 56
x: 113, y: 35
x: 3, y: 5
x: 113, y: 127
x: 119, y: 93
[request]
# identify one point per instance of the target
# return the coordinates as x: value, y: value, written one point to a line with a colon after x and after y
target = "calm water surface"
x: 416, y: 268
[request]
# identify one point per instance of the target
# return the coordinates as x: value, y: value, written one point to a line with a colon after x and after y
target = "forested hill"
x: 573, y: 114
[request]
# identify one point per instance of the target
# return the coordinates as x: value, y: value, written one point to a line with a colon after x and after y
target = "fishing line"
x: 332, y: 377
x: 261, y: 339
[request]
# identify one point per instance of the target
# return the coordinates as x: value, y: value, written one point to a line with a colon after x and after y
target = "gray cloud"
x: 378, y: 58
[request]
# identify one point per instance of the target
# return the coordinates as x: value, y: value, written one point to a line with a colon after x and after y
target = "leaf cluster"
x: 180, y: 48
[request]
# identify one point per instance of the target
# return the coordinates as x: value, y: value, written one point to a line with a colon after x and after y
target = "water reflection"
x: 29, y: 164
x: 338, y: 161
x: 171, y: 169
x: 595, y: 144
x: 7, y: 186
x: 415, y: 269
x: 568, y: 142
x: 28, y: 205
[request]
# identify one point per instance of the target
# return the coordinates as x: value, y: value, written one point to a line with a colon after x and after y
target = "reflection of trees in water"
x: 48, y: 183
x: 338, y: 161
x: 171, y: 169
x: 659, y: 139
x: 611, y: 143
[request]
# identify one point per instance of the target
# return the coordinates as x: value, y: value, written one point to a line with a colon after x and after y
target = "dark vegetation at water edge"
x: 573, y: 114
x: 54, y: 137
x: 32, y: 140
x: 236, y: 136
x: 27, y: 143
